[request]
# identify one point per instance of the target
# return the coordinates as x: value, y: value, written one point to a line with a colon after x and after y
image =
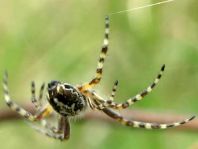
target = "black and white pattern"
x: 66, y: 101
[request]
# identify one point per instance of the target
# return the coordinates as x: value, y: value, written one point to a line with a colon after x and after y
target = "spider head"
x: 65, y: 99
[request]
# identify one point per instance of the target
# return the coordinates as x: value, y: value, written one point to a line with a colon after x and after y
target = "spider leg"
x: 97, y: 101
x: 139, y: 124
x: 33, y: 98
x: 65, y: 127
x: 41, y: 94
x: 114, y: 89
x: 101, y: 60
x: 21, y: 111
x: 138, y: 97
x: 61, y: 133
x: 37, y: 102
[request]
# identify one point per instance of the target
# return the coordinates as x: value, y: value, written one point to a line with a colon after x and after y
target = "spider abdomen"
x: 65, y: 99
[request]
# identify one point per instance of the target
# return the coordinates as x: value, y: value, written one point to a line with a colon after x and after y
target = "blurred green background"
x: 43, y: 40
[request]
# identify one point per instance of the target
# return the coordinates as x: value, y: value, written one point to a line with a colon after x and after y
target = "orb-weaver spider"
x: 67, y: 101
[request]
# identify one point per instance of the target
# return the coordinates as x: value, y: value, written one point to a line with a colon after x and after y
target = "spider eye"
x: 52, y: 84
x: 67, y: 86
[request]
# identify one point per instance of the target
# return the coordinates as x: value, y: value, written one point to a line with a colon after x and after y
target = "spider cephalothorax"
x: 65, y: 99
x: 69, y: 101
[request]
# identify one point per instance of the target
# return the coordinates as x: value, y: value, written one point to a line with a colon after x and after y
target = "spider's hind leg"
x: 145, y: 125
x: 101, y: 60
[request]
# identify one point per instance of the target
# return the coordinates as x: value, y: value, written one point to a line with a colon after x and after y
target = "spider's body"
x: 65, y: 101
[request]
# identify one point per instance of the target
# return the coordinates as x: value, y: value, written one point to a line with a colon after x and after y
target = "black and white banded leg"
x: 118, y: 117
x: 101, y: 60
x: 37, y: 101
x: 21, y: 111
x: 138, y: 97
x: 114, y: 89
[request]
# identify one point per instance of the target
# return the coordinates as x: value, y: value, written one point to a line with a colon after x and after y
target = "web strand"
x: 141, y: 7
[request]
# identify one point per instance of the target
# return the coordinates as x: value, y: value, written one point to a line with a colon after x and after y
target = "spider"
x: 66, y: 101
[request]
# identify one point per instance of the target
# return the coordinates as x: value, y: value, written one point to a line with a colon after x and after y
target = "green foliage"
x: 47, y: 40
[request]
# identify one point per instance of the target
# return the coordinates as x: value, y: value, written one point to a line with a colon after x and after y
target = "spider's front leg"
x: 101, y: 60
x: 37, y: 101
x: 47, y: 110
x: 138, y: 124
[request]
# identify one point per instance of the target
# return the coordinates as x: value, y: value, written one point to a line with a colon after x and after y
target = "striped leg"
x: 114, y: 89
x: 41, y: 94
x: 101, y: 60
x: 33, y: 99
x: 138, y: 97
x: 37, y: 102
x: 21, y: 111
x: 145, y: 125
x: 61, y: 133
